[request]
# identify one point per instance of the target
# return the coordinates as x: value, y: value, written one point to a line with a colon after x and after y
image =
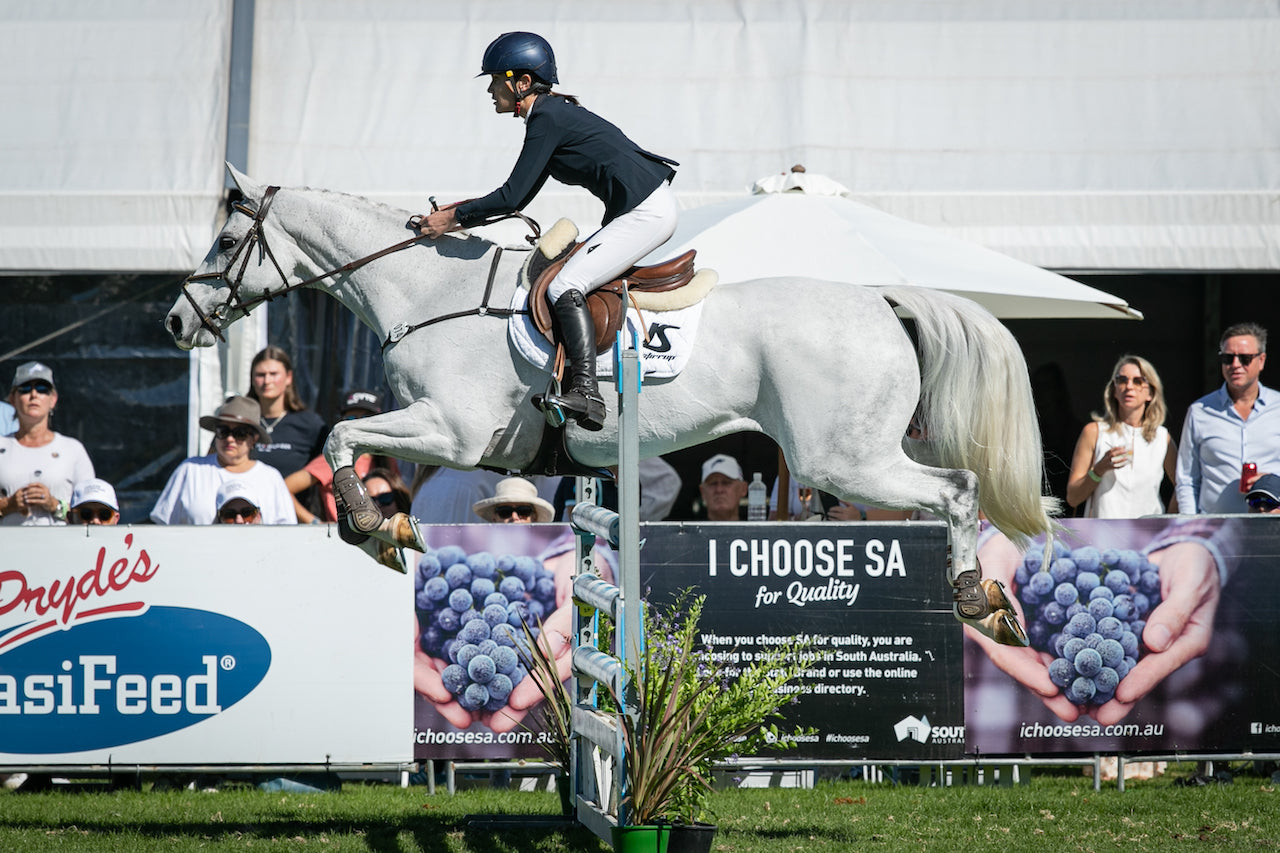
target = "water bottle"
x: 757, y: 500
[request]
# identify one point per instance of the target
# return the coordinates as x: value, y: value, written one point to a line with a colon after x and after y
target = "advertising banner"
x: 473, y: 589
x: 199, y: 645
x: 871, y: 601
x: 1154, y: 634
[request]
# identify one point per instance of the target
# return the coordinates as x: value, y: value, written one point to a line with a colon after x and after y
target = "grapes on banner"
x: 471, y: 608
x: 1087, y: 608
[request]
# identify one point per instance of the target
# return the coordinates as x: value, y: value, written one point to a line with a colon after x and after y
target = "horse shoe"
x: 982, y: 603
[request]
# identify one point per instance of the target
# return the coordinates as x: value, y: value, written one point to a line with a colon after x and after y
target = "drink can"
x: 1247, y: 470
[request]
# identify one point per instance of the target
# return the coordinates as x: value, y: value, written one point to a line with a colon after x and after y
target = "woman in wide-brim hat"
x: 515, y: 501
x: 190, y: 497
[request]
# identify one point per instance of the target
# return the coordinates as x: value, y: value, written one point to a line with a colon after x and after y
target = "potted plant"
x: 554, y: 714
x: 690, y: 715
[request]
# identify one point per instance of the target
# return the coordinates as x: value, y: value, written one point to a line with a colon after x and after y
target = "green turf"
x: 1051, y: 814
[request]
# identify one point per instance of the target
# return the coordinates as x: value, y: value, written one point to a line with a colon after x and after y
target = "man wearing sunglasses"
x: 94, y: 502
x: 237, y: 504
x: 1230, y: 436
x: 1264, y: 497
x: 190, y: 495
x: 515, y: 501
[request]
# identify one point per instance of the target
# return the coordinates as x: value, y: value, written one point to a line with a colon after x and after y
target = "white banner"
x: 201, y: 645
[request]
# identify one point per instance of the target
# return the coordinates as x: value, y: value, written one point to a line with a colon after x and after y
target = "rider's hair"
x: 1154, y: 414
x: 541, y: 87
x: 292, y: 402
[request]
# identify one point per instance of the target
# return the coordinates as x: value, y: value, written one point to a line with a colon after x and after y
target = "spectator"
x: 38, y: 466
x: 236, y: 504
x: 190, y: 496
x: 1264, y: 497
x: 722, y: 488
x: 387, y: 490
x: 8, y: 419
x: 94, y: 502
x: 1237, y: 424
x: 1123, y: 455
x: 515, y: 501
x: 293, y: 434
x: 357, y: 403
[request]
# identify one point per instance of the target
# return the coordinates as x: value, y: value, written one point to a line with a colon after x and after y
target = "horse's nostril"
x: 175, y: 326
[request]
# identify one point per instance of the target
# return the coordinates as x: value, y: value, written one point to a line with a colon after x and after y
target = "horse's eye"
x: 226, y: 243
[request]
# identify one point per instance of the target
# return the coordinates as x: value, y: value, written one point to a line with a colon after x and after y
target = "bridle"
x: 255, y: 236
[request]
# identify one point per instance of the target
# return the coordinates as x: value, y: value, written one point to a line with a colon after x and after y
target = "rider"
x: 565, y: 141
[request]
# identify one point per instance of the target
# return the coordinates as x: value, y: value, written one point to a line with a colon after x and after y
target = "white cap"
x: 233, y: 490
x: 94, y: 491
x: 722, y: 463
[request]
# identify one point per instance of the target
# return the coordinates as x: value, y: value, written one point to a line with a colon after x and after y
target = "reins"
x: 256, y: 236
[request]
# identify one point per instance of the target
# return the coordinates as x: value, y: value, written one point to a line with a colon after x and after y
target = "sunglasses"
x: 1246, y: 358
x: 230, y: 514
x: 1262, y: 503
x: 1135, y: 381
x: 505, y: 511
x: 385, y: 499
x: 240, y: 433
x: 101, y: 514
x: 40, y: 387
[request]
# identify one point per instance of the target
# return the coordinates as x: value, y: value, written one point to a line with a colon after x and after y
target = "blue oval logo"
x: 118, y: 681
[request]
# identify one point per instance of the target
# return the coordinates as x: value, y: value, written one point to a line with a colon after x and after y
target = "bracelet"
x: 1093, y: 476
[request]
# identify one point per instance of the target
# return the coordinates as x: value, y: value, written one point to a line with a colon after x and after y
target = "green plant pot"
x: 691, y: 838
x: 641, y: 839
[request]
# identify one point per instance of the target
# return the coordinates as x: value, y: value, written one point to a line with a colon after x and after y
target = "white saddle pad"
x: 671, y: 337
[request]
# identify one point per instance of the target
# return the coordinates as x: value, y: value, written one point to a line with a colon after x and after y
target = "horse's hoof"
x: 1001, y: 626
x: 404, y: 531
x: 392, y: 557
x: 348, y: 491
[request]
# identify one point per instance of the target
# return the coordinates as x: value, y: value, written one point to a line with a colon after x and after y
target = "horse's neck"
x: 333, y: 230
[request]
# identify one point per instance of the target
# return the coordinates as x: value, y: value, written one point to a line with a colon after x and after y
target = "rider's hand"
x: 439, y: 222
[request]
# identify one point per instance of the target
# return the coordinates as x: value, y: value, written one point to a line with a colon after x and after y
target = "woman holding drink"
x: 1123, y: 454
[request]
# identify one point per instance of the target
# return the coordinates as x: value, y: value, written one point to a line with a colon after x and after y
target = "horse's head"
x: 239, y: 272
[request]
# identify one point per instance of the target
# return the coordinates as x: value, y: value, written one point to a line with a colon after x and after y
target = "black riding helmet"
x: 511, y: 52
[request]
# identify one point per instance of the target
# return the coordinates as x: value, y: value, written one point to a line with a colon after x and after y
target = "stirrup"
x: 361, y: 512
x: 557, y: 408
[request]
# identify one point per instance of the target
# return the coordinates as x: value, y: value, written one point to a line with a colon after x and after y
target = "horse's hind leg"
x: 951, y: 494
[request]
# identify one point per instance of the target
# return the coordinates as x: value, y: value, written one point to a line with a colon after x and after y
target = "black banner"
x: 871, y: 600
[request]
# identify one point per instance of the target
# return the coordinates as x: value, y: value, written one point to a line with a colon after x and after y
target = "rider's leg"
x: 608, y: 252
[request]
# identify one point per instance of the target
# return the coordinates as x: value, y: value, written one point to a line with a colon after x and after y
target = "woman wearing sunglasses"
x: 515, y: 501
x: 190, y: 496
x: 38, y: 467
x: 1123, y: 454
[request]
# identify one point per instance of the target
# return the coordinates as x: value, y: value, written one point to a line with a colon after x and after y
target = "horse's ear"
x: 248, y: 187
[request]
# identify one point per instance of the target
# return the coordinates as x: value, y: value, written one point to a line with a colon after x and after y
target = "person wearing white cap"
x: 515, y: 501
x: 236, y: 504
x: 38, y: 467
x: 94, y: 502
x: 722, y: 488
x: 190, y: 495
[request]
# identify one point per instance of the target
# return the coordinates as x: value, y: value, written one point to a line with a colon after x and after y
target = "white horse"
x: 825, y: 369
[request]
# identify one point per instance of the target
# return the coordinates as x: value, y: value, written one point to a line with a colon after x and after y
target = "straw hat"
x: 514, y: 491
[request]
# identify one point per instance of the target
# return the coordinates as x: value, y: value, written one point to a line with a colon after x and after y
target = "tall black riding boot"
x: 580, y: 400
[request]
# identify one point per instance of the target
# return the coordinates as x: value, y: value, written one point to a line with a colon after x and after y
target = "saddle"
x: 606, y: 303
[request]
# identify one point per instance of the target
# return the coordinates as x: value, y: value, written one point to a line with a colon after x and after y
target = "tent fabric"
x: 1072, y: 134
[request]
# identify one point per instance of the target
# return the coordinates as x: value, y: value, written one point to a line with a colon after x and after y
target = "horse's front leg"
x: 412, y: 433
x: 979, y: 602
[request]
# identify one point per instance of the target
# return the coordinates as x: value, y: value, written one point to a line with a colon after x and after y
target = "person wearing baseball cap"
x: 722, y: 488
x: 1264, y: 496
x: 237, y: 504
x: 355, y: 404
x: 94, y: 502
x: 38, y: 466
x: 190, y: 495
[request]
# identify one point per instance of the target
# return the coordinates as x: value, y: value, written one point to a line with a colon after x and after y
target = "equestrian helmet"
x: 529, y: 52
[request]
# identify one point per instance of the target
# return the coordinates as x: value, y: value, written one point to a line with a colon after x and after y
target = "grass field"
x: 1051, y: 814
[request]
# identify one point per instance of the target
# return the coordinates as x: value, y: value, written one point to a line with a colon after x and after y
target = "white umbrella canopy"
x: 801, y: 224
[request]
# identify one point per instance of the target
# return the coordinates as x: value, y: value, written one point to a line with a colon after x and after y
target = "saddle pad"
x: 671, y: 337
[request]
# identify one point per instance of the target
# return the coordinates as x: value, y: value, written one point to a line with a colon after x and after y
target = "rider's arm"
x: 528, y: 176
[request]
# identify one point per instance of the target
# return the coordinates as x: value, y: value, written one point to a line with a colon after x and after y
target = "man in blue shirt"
x: 1237, y: 424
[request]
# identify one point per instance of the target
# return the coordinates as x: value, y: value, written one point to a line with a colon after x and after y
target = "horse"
x: 826, y: 369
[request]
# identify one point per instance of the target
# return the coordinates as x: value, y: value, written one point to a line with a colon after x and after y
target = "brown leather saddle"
x: 606, y: 302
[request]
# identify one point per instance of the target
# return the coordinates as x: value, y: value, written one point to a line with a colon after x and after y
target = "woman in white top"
x: 38, y: 467
x: 1124, y: 453
x: 190, y: 496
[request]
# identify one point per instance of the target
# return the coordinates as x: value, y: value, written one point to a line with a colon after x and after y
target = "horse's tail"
x: 976, y: 407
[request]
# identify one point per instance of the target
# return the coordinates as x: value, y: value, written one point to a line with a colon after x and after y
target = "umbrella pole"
x: 784, y: 488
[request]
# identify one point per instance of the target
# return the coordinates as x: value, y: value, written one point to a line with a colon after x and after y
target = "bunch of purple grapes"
x: 472, y: 609
x: 1088, y: 609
